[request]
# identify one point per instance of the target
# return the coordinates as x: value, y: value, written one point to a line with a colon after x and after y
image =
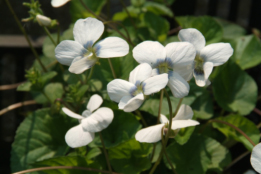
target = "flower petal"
x: 178, y: 124
x: 256, y: 158
x: 129, y: 104
x: 181, y: 55
x: 77, y: 137
x: 178, y: 86
x: 150, y: 52
x: 208, y: 67
x: 150, y: 134
x: 155, y: 84
x: 111, y: 47
x: 119, y: 88
x: 199, y: 77
x: 194, y: 37
x: 163, y: 119
x: 68, y: 50
x: 78, y: 66
x: 94, y: 102
x: 87, y: 31
x: 185, y: 112
x: 98, y: 121
x: 58, y: 3
x: 217, y: 53
x: 140, y: 73
x: 72, y: 114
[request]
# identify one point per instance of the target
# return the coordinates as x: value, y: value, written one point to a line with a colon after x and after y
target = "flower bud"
x: 43, y: 20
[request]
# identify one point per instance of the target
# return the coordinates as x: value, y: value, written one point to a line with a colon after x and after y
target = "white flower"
x: 82, y: 54
x: 152, y: 134
x: 207, y: 56
x: 90, y: 122
x: 58, y: 3
x: 130, y: 95
x: 176, y: 59
x: 43, y: 20
x: 256, y: 158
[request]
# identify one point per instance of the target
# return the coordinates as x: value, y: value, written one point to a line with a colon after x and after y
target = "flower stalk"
x: 105, y: 153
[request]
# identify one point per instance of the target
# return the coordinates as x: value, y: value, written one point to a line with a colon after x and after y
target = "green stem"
x: 112, y: 69
x: 127, y: 11
x: 236, y: 128
x: 170, y: 116
x: 105, y: 153
x: 49, y: 35
x: 25, y: 35
x: 141, y: 117
x: 91, y: 72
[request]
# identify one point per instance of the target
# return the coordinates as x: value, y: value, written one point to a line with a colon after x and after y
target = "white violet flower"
x: 90, y: 122
x: 207, y: 56
x: 58, y: 3
x: 130, y: 94
x: 82, y: 54
x: 152, y: 134
x: 256, y: 158
x: 176, y: 59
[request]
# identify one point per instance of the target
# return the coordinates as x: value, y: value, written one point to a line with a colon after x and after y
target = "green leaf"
x: 77, y: 161
x: 158, y: 9
x: 26, y: 86
x: 123, y: 128
x: 242, y: 123
x: 207, y: 25
x: 199, y: 155
x: 40, y: 136
x: 93, y: 153
x: 184, y: 134
x: 72, y: 78
x: 247, y: 51
x: 131, y: 157
x: 234, y: 89
x: 157, y: 26
x: 53, y: 91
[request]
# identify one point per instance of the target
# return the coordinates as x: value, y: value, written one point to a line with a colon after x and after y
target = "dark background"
x: 16, y: 56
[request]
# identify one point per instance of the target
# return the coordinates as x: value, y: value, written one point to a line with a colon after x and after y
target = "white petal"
x: 140, y: 73
x: 178, y: 124
x: 217, y: 53
x: 256, y: 158
x: 181, y: 55
x: 58, y: 3
x: 155, y: 72
x: 111, y: 47
x: 185, y: 112
x: 78, y: 66
x: 87, y: 31
x: 98, y: 121
x: 155, y: 84
x: 208, y: 67
x: 77, y: 137
x: 150, y: 52
x: 199, y: 78
x: 178, y: 86
x: 43, y: 20
x: 194, y: 37
x: 94, y: 102
x: 68, y: 50
x: 72, y: 114
x: 119, y: 88
x: 150, y: 134
x: 163, y: 119
x: 129, y: 104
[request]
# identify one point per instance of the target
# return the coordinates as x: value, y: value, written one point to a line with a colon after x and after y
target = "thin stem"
x: 236, y: 128
x: 177, y: 108
x: 257, y: 111
x: 49, y: 35
x: 90, y: 74
x: 157, y: 162
x: 12, y: 86
x: 141, y: 117
x: 25, y: 35
x: 105, y: 153
x: 237, y: 159
x: 62, y: 167
x: 112, y: 69
x: 170, y: 115
x: 127, y: 11
x: 17, y: 105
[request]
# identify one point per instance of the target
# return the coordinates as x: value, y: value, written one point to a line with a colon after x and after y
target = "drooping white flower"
x: 43, y: 20
x: 82, y: 54
x: 90, y: 122
x: 130, y: 94
x: 176, y: 59
x: 207, y: 56
x: 58, y: 3
x: 152, y: 134
x: 256, y: 158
